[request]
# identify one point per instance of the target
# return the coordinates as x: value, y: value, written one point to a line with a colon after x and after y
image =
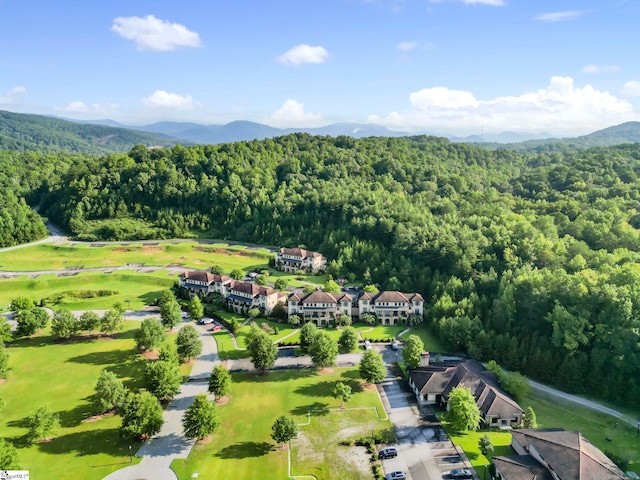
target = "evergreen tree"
x: 485, y: 445
x: 4, y: 362
x: 529, y: 419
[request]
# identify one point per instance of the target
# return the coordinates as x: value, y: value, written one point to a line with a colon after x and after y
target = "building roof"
x: 320, y: 297
x: 252, y: 289
x: 299, y: 252
x: 392, y: 296
x: 569, y: 454
x: 441, y: 379
x: 198, y: 276
x: 521, y: 467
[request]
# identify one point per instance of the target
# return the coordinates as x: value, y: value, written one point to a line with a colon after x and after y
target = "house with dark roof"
x: 554, y: 454
x: 293, y: 259
x: 203, y: 283
x: 433, y: 383
x: 391, y: 307
x: 243, y: 296
x: 319, y: 307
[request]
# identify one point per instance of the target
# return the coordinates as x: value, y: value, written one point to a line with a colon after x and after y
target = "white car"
x: 206, y: 320
x: 367, y: 345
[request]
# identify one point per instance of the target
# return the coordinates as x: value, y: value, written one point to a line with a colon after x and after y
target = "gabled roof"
x: 299, y: 252
x: 521, y: 467
x: 320, y: 297
x: 570, y: 455
x: 198, y: 276
x: 441, y: 379
x: 392, y: 297
x: 252, y: 289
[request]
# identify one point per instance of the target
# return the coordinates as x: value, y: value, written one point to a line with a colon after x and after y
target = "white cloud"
x: 600, y: 68
x: 303, y: 54
x: 631, y: 89
x: 151, y: 33
x: 12, y: 95
x: 406, y: 46
x: 495, y: 3
x: 559, y: 16
x: 93, y: 108
x: 292, y: 114
x: 561, y: 107
x: 162, y: 99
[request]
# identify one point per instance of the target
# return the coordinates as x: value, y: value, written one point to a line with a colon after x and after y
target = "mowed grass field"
x: 135, y: 290
x: 186, y: 254
x: 62, y: 376
x: 244, y: 449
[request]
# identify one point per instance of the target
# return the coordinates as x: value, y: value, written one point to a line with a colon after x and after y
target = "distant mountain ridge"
x: 19, y: 131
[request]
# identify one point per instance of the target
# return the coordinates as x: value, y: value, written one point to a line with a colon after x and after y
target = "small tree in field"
x: 485, y: 445
x: 372, y: 367
x: 348, y: 339
x: 188, y: 343
x: 219, y: 381
x: 89, y: 321
x: 64, y: 325
x: 196, y: 310
x: 413, y: 349
x: 150, y: 335
x: 323, y: 350
x: 170, y: 313
x: 21, y: 303
x: 281, y: 284
x: 43, y: 424
x: 141, y: 416
x: 201, y: 418
x: 162, y: 380
x: 5, y: 330
x: 9, y: 458
x: 463, y: 412
x: 529, y: 419
x: 27, y: 323
x: 216, y: 270
x: 284, y: 429
x: 4, y: 362
x: 307, y: 334
x: 237, y: 274
x: 112, y: 320
x: 342, y: 392
x: 262, y: 350
x: 110, y: 392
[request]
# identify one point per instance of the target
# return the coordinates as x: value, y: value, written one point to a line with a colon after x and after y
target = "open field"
x: 62, y: 376
x: 135, y: 290
x: 246, y: 448
x: 431, y: 342
x: 186, y: 254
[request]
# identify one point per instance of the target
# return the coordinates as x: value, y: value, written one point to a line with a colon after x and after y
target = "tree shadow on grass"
x: 273, y: 376
x: 245, y: 450
x: 316, y: 409
x: 125, y: 364
x: 320, y: 389
x: 93, y: 442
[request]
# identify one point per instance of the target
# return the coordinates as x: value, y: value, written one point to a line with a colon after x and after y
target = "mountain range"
x: 49, y: 134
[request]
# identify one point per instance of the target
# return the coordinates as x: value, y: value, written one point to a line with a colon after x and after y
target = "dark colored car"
x: 460, y: 473
x: 388, y: 453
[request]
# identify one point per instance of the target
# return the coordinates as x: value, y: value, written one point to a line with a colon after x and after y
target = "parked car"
x: 460, y: 473
x: 215, y: 328
x: 388, y: 453
x: 206, y: 320
x: 394, y: 345
x: 367, y: 345
x: 396, y: 476
x: 185, y: 315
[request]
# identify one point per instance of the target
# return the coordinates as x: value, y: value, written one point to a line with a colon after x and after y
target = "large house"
x: 203, y: 283
x: 554, y: 454
x: 433, y: 383
x: 319, y: 307
x: 293, y: 259
x: 391, y: 308
x: 243, y: 296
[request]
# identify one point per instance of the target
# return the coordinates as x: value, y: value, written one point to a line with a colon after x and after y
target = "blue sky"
x: 447, y: 66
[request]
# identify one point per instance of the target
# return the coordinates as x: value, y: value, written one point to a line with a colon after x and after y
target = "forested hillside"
x: 22, y: 132
x: 529, y: 259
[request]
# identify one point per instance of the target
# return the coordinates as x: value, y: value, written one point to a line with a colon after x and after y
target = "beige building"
x: 293, y: 259
x: 243, y: 296
x: 319, y: 307
x: 391, y: 308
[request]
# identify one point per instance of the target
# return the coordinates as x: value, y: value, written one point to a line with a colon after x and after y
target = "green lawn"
x: 134, y: 290
x: 62, y: 376
x: 382, y: 332
x: 595, y: 426
x: 431, y: 342
x: 188, y: 254
x: 245, y: 448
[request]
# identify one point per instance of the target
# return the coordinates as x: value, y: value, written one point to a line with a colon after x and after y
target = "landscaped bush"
x: 266, y: 327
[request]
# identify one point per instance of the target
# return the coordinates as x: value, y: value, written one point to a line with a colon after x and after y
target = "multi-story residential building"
x: 391, y: 308
x: 203, y: 283
x: 293, y: 259
x: 319, y: 307
x: 243, y: 296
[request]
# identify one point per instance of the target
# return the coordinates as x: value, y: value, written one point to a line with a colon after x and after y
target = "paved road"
x: 158, y: 453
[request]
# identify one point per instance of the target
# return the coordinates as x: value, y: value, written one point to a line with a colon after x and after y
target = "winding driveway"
x: 158, y: 452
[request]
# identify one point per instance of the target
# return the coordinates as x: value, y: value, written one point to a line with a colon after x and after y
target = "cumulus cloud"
x: 162, y: 99
x: 559, y: 16
x: 561, y: 107
x: 600, y: 68
x: 292, y: 114
x: 304, y: 53
x: 151, y: 33
x: 495, y: 3
x: 92, y: 108
x: 12, y: 95
x: 631, y: 89
x: 407, y: 46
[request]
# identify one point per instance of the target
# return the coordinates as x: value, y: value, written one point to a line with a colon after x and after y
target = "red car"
x: 215, y: 328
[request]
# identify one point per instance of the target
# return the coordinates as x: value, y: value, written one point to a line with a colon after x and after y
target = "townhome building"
x: 391, y: 307
x: 319, y: 307
x: 203, y: 283
x: 293, y: 259
x: 243, y: 296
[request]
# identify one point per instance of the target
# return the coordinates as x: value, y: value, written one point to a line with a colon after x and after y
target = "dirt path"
x: 584, y: 402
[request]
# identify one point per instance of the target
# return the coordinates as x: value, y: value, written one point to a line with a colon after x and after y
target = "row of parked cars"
x: 392, y: 452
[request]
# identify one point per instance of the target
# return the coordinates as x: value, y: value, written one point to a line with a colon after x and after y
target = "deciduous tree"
x: 307, y: 334
x: 294, y: 320
x: 89, y: 321
x: 141, y: 416
x: 43, y: 424
x: 170, y: 313
x: 64, y: 325
x: 463, y: 412
x: 188, y: 343
x: 9, y: 457
x: 342, y: 392
x: 281, y: 284
x: 237, y: 274
x: 150, y: 335
x: 219, y: 381
x: 323, y: 350
x: 413, y: 348
x: 4, y: 362
x: 112, y: 320
x: 348, y: 339
x: 372, y: 367
x: 162, y: 380
x: 201, y: 418
x: 262, y: 350
x: 110, y: 392
x: 196, y: 310
x: 485, y: 445
x: 284, y: 429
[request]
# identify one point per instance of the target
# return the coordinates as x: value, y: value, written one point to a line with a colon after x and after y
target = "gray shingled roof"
x: 521, y: 467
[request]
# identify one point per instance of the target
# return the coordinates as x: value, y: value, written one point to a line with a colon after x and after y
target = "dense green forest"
x: 531, y: 259
x: 21, y: 132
